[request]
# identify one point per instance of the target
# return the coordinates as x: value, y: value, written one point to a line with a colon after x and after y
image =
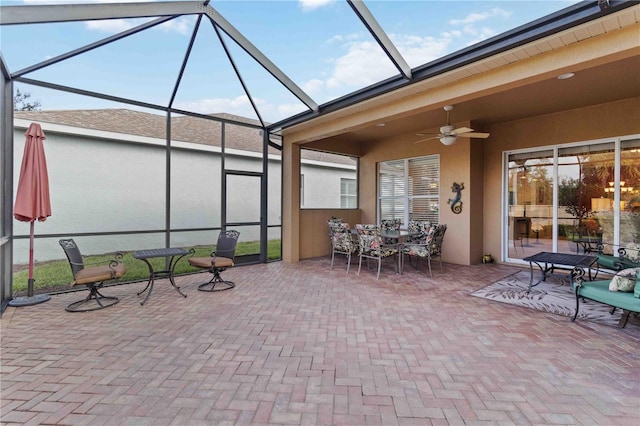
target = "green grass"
x: 56, y: 275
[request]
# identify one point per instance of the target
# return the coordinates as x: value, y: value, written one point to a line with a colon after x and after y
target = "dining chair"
x: 93, y: 275
x: 430, y: 247
x: 387, y: 225
x: 330, y: 224
x: 371, y: 246
x: 418, y: 230
x: 342, y: 242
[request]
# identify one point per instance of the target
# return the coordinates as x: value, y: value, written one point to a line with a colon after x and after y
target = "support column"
x: 290, y: 202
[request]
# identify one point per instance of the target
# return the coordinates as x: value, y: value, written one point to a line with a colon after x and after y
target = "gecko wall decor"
x: 456, y: 202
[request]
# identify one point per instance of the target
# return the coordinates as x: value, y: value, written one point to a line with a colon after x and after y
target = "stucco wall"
x: 102, y: 185
x: 315, y: 232
x: 585, y: 124
x: 455, y: 166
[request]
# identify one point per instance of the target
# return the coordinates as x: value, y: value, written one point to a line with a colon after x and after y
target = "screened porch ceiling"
x: 266, y: 60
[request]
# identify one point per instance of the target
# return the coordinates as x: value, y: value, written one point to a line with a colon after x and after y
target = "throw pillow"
x: 633, y: 252
x: 624, y: 280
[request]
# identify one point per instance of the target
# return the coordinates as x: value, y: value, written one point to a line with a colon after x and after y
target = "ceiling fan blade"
x: 427, y: 134
x: 428, y: 139
x: 477, y: 135
x: 461, y: 130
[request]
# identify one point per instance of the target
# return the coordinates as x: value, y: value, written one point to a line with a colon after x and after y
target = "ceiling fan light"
x: 448, y: 140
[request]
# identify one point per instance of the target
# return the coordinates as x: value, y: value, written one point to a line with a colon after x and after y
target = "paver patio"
x: 303, y: 344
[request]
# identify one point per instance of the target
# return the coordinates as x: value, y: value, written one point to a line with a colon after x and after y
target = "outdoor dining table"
x: 172, y: 254
x: 400, y: 237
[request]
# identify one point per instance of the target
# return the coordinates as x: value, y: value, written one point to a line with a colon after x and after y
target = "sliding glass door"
x: 572, y: 199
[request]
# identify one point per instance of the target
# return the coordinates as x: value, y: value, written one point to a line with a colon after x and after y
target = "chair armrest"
x: 117, y: 258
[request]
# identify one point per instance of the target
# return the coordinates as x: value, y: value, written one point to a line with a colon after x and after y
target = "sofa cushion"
x: 624, y: 280
x: 636, y: 289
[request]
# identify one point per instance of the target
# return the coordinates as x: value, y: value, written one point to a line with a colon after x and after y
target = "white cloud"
x: 239, y: 105
x: 364, y: 63
x: 182, y: 25
x: 286, y: 110
x: 477, y: 17
x: 313, y: 86
x: 308, y: 5
x: 111, y: 25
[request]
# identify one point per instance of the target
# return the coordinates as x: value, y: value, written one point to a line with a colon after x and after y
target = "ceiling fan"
x: 448, y: 134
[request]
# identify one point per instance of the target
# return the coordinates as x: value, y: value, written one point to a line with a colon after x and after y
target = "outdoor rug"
x: 553, y: 295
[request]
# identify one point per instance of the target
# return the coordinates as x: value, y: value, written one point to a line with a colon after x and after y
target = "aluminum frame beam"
x: 14, y: 15
x: 91, y: 46
x: 381, y: 37
x: 256, y: 54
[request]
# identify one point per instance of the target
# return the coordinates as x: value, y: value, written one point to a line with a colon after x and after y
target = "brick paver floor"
x: 303, y: 344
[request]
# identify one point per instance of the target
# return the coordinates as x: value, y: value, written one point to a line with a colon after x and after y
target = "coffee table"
x: 573, y: 263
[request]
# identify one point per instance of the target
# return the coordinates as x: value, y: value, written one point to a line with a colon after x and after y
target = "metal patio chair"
x: 91, y: 276
x: 342, y: 242
x: 373, y: 247
x: 219, y: 260
x: 430, y: 247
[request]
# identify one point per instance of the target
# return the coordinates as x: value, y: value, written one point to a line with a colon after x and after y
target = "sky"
x: 320, y: 45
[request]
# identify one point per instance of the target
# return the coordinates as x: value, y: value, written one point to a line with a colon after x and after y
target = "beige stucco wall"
x: 455, y: 166
x: 461, y: 162
x: 585, y: 124
x: 314, y: 229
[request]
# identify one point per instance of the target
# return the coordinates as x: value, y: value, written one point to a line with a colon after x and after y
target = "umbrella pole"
x: 31, y: 281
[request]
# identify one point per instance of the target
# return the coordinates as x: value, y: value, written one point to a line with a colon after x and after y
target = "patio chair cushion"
x: 211, y: 261
x: 342, y: 241
x: 624, y: 280
x: 94, y: 274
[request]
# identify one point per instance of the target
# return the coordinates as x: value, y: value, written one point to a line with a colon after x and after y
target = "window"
x: 322, y: 180
x: 409, y: 189
x: 348, y: 194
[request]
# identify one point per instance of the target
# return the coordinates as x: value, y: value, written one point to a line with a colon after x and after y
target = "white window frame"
x: 401, y: 188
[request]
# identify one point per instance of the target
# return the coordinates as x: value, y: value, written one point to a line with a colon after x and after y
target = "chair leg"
x: 332, y: 256
x: 379, y: 266
x: 216, y: 280
x: 429, y: 262
x: 94, y: 301
x: 348, y: 261
x: 359, y: 264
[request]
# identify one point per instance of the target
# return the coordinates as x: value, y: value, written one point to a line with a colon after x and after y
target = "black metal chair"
x: 219, y: 260
x: 91, y: 276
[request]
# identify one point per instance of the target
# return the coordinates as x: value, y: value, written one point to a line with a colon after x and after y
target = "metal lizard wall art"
x: 456, y: 202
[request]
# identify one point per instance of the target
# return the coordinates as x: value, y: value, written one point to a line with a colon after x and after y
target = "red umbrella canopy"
x: 32, y: 196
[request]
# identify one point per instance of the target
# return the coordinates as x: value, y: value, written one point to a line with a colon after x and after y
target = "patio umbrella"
x: 32, y: 200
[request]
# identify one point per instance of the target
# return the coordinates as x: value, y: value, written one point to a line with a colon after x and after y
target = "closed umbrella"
x: 32, y: 200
